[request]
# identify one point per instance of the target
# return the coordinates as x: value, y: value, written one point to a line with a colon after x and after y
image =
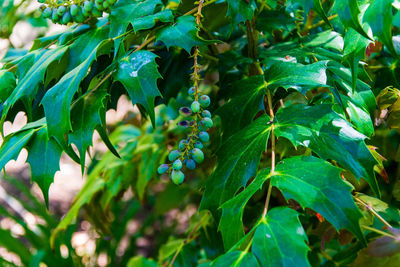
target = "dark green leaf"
x: 280, y: 240
x: 328, y: 135
x: 235, y: 259
x: 7, y: 84
x: 240, y: 11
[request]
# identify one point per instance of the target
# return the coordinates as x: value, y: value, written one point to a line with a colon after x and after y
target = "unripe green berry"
x: 41, y: 1
x: 173, y: 155
x: 61, y: 10
x: 192, y: 91
x: 190, y: 164
x: 111, y: 2
x: 177, y: 177
x: 198, y: 145
x: 74, y: 10
x: 206, y: 114
x: 47, y: 12
x: 207, y: 122
x: 163, y: 168
x: 98, y: 5
x: 96, y: 12
x: 54, y: 15
x: 106, y: 5
x: 177, y: 165
x: 182, y: 144
x: 197, y: 155
x: 204, y: 101
x: 87, y: 6
x: 66, y: 18
x: 195, y: 106
x: 204, y: 137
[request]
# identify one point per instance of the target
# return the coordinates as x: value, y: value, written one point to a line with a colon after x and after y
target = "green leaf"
x: 349, y: 13
x: 7, y: 84
x: 319, y: 9
x: 138, y: 73
x: 328, y: 135
x: 140, y: 261
x: 184, y: 33
x: 27, y: 86
x: 296, y: 76
x: 235, y: 259
x: 43, y: 157
x: 379, y: 18
x: 247, y: 100
x: 231, y: 225
x: 57, y: 100
x: 240, y: 11
x: 238, y: 159
x: 316, y: 184
x: 280, y: 240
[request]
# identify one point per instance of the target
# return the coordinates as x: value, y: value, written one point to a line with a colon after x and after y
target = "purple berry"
x: 185, y: 111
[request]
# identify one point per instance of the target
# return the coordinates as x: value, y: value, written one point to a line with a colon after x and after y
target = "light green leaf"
x: 296, y: 76
x: 238, y: 159
x: 329, y: 135
x: 138, y: 73
x: 280, y: 240
x: 140, y: 261
x: 184, y: 33
x: 317, y: 185
x: 235, y: 259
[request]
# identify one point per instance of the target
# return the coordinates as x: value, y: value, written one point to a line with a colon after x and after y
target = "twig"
x: 371, y: 209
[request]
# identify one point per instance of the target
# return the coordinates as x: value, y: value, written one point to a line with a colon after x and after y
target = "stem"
x: 271, y: 113
x: 371, y: 209
x: 378, y: 231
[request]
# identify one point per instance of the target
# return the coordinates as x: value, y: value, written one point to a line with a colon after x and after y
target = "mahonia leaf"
x: 316, y: 184
x: 57, y: 100
x: 238, y: 159
x: 296, y: 76
x: 240, y: 11
x: 7, y: 84
x: 280, y: 240
x: 43, y: 157
x: 329, y: 135
x: 235, y: 259
x: 138, y: 73
x: 247, y: 100
x: 184, y: 33
x: 230, y: 224
x: 349, y: 13
x: 381, y: 22
x: 28, y: 85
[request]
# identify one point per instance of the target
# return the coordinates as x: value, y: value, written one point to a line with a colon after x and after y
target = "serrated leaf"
x: 57, y: 100
x: 296, y: 76
x: 240, y: 11
x: 184, y: 33
x: 235, y: 259
x: 230, y: 224
x: 280, y: 240
x: 27, y: 86
x: 43, y: 157
x: 379, y: 18
x: 238, y: 159
x: 138, y: 73
x: 7, y: 84
x: 349, y: 13
x: 246, y: 101
x: 317, y: 185
x: 329, y: 135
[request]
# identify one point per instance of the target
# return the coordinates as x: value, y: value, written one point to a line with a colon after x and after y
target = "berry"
x: 41, y: 1
x: 47, y: 12
x: 182, y: 144
x: 185, y: 111
x: 66, y: 18
x: 74, y: 10
x: 177, y: 177
x: 192, y: 91
x: 184, y: 124
x: 98, y: 5
x: 177, y: 165
x: 173, y: 155
x: 206, y: 114
x: 54, y: 15
x: 163, y: 168
x: 207, y: 122
x: 198, y: 145
x: 197, y: 155
x: 61, y: 10
x: 190, y: 164
x: 204, y: 137
x: 204, y: 101
x: 112, y: 2
x: 195, y: 106
x: 87, y: 6
x: 96, y: 12
x: 106, y: 5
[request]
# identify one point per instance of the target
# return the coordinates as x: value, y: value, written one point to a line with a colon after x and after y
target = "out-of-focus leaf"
x: 140, y: 261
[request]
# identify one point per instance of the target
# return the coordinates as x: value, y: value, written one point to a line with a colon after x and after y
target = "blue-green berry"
x: 54, y: 15
x: 96, y: 12
x: 197, y: 155
x: 177, y: 165
x: 173, y: 155
x: 182, y: 144
x: 66, y: 18
x: 112, y: 2
x: 204, y: 137
x: 177, y: 177
x: 192, y: 91
x: 206, y: 114
x: 74, y: 10
x: 163, y: 168
x: 47, y: 12
x: 61, y: 10
x: 204, y: 101
x: 190, y: 164
x: 198, y: 145
x: 207, y: 122
x: 87, y: 6
x: 106, y: 5
x: 195, y: 106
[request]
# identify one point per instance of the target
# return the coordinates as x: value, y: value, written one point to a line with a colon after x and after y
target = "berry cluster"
x: 65, y: 11
x: 189, y: 151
